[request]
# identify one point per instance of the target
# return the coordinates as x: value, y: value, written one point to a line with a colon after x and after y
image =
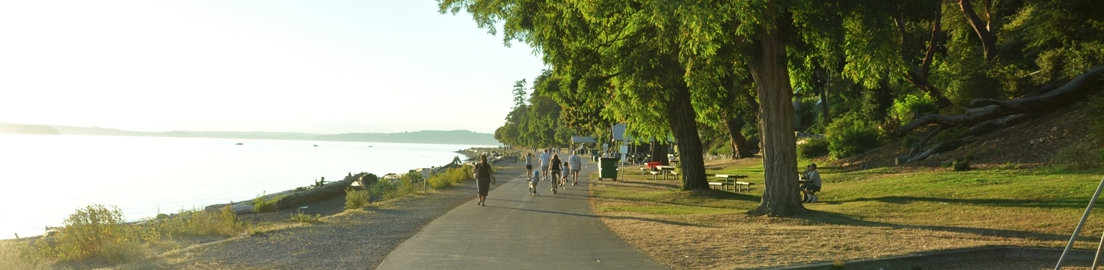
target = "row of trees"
x: 678, y: 67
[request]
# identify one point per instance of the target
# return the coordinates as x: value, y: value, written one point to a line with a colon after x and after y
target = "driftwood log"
x: 995, y: 114
x: 301, y: 196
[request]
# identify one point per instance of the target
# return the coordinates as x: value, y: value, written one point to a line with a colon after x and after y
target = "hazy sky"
x: 318, y: 66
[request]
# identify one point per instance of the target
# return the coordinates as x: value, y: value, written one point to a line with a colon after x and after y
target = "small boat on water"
x: 315, y: 145
x: 238, y: 143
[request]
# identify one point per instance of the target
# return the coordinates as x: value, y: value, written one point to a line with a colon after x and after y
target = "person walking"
x: 555, y: 175
x: 566, y: 174
x: 576, y: 165
x: 529, y: 165
x: 483, y: 173
x: 544, y: 159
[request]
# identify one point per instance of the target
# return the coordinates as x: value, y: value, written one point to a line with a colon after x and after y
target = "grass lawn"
x: 861, y: 214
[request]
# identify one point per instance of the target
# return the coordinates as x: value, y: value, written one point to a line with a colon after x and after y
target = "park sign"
x: 619, y: 132
x: 583, y: 139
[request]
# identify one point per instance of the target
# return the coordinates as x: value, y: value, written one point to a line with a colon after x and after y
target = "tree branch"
x: 988, y: 41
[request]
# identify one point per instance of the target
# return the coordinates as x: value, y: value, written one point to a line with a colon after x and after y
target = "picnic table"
x: 730, y: 180
x: 665, y: 170
x: 649, y: 167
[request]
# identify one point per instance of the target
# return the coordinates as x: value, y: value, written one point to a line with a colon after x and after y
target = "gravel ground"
x: 349, y: 240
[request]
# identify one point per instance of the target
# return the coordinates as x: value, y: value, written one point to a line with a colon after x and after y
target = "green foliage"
x: 960, y: 165
x: 19, y: 255
x: 450, y: 177
x: 93, y: 232
x: 813, y: 147
x: 910, y: 105
x: 223, y: 222
x: 264, y: 203
x: 96, y: 232
x: 356, y: 199
x: 90, y: 231
x: 849, y: 135
x: 722, y: 147
x: 304, y: 218
x: 392, y: 188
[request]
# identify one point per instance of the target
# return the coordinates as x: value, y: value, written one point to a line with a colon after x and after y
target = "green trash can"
x: 608, y: 169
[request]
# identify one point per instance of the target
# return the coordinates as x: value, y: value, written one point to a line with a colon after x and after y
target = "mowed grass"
x: 1039, y: 207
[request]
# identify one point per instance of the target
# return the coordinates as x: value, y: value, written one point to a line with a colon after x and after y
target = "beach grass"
x: 17, y: 254
x: 264, y: 203
x: 357, y: 199
x: 305, y: 218
x: 98, y: 235
x: 449, y: 178
x: 405, y: 185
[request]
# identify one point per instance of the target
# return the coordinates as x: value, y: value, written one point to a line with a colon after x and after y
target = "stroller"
x: 533, y: 183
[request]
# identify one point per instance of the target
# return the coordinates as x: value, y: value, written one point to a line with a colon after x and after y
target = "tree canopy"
x: 698, y: 70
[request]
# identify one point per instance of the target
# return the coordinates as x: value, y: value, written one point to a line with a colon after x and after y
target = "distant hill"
x: 428, y: 136
x: 27, y: 129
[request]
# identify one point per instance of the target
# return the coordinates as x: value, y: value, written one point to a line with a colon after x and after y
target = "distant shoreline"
x: 464, y: 137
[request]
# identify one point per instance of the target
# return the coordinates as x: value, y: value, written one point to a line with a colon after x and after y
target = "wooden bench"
x: 730, y: 180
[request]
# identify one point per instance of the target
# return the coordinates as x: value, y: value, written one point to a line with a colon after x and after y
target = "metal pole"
x: 1080, y: 224
x: 1096, y: 258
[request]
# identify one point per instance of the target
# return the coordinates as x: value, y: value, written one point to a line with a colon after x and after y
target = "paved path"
x: 518, y: 231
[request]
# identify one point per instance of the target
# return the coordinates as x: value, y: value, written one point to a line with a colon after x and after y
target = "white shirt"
x: 575, y: 161
x: 544, y: 159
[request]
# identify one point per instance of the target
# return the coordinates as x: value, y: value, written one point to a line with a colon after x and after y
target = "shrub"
x: 224, y: 222
x: 87, y: 233
x: 812, y: 148
x: 908, y: 106
x: 850, y: 135
x: 356, y: 199
x: 960, y: 165
x: 450, y: 177
x: 262, y: 204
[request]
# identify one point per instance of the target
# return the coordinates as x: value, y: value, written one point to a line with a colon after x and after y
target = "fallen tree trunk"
x: 1066, y: 94
x: 978, y: 129
x: 995, y: 114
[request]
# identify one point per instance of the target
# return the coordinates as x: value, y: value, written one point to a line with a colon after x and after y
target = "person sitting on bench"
x: 811, y: 183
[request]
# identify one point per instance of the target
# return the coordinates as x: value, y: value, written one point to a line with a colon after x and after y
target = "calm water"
x: 45, y: 178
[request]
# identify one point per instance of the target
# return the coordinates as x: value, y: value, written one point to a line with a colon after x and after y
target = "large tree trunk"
x: 780, y: 197
x: 988, y: 41
x: 741, y: 100
x: 740, y: 146
x: 685, y: 128
x: 659, y: 152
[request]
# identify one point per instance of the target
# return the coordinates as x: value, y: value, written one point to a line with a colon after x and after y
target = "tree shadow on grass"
x: 1048, y: 204
x: 676, y: 223
x: 702, y: 193
x: 667, y: 184
x: 842, y: 219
